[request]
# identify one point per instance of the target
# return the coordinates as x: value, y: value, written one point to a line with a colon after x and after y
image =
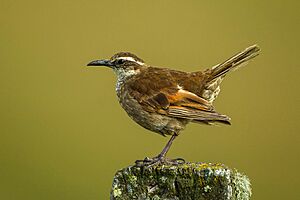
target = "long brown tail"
x: 217, y: 73
x: 234, y: 62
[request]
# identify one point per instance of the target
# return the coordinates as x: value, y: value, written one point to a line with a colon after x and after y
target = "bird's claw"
x: 148, y: 162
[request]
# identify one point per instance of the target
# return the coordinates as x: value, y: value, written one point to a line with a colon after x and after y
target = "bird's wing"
x: 187, y: 105
x: 184, y: 98
x: 196, y: 115
x: 183, y: 104
x: 164, y: 94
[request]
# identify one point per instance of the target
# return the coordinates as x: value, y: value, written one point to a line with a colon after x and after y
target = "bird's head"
x: 124, y: 64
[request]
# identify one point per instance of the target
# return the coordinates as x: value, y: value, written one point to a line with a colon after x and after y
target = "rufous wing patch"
x: 185, y: 98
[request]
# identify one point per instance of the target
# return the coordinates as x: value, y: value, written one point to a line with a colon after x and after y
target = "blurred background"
x: 63, y: 134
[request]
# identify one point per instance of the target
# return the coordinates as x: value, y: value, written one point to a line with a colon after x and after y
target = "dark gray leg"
x: 167, y: 147
x: 161, y: 158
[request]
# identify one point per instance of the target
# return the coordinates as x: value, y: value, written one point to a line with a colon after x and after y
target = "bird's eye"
x: 120, y: 61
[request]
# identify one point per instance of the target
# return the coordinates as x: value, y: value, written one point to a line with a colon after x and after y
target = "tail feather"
x: 234, y: 62
x: 217, y: 73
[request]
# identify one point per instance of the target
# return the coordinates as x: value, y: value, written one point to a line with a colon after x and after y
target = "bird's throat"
x: 123, y: 76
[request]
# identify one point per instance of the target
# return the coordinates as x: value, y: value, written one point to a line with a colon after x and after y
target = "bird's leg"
x: 161, y: 158
x: 165, y: 150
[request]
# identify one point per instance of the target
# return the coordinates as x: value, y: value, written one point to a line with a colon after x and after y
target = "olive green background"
x: 63, y: 133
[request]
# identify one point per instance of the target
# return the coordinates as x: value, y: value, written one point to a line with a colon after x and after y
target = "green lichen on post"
x: 189, y: 181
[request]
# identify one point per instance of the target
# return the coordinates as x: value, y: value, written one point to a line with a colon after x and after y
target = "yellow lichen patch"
x: 183, y: 181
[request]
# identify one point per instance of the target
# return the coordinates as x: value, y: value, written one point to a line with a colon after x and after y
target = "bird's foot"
x: 148, y: 162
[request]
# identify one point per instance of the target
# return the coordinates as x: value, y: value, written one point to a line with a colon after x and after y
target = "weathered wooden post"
x: 188, y: 181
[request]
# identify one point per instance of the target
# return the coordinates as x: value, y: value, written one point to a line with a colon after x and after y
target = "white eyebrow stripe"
x: 131, y: 59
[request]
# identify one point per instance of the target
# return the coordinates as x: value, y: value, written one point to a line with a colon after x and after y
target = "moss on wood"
x: 189, y: 181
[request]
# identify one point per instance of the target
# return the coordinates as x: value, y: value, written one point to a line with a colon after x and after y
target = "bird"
x: 164, y: 100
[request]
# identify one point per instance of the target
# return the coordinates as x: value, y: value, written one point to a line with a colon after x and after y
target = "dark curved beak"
x: 107, y: 63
